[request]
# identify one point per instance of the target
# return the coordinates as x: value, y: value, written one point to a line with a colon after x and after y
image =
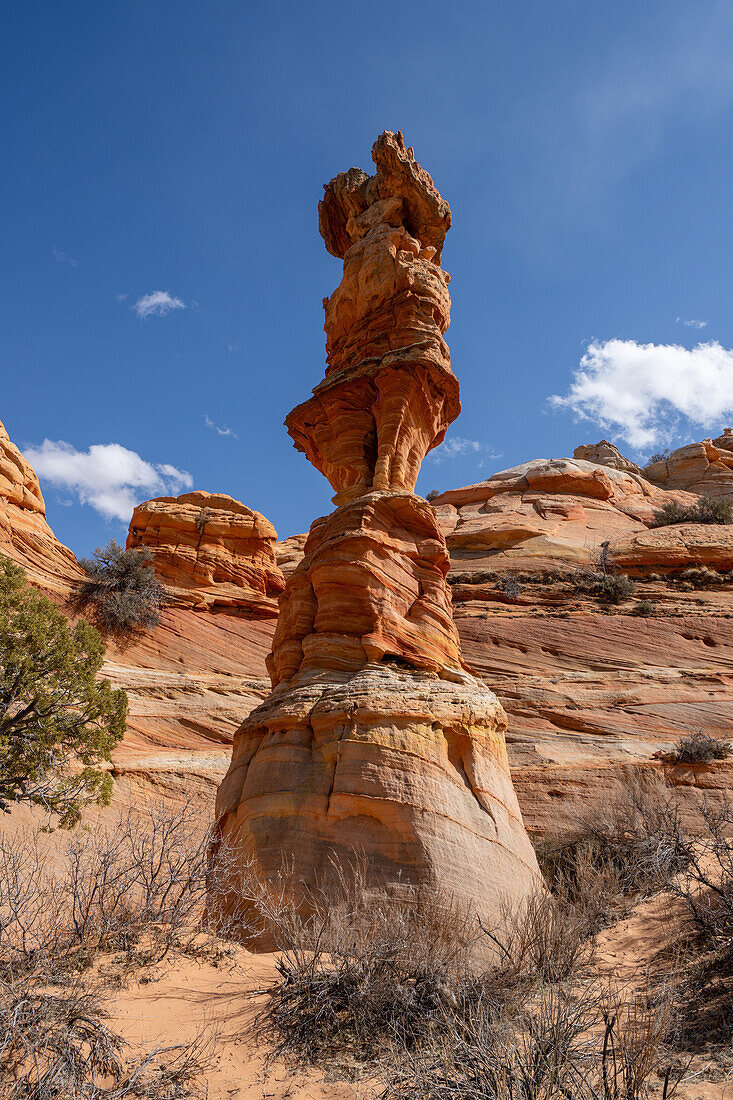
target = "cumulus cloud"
x: 220, y: 431
x: 158, y: 301
x: 108, y: 477
x: 690, y: 324
x: 643, y: 390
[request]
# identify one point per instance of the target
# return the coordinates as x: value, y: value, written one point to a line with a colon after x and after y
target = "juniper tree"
x: 58, y: 721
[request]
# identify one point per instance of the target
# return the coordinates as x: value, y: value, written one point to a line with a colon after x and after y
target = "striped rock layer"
x: 376, y: 744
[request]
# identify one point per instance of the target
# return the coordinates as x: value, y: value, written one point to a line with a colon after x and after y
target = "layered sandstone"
x: 604, y: 453
x: 25, y: 536
x: 376, y: 742
x: 212, y: 552
x: 559, y: 509
x: 389, y: 392
x: 675, y: 548
x: 704, y: 468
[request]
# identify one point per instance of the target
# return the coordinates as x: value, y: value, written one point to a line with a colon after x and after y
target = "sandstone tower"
x: 375, y: 739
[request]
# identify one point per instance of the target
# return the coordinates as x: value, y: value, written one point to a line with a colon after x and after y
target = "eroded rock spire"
x: 376, y: 741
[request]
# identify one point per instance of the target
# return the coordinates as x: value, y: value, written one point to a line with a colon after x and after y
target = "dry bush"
x: 623, y: 846
x: 56, y: 1045
x: 700, y: 748
x: 573, y: 1042
x: 545, y: 937
x: 138, y: 888
x: 706, y: 889
x: 365, y: 969
x: 361, y: 964
x: 707, y: 510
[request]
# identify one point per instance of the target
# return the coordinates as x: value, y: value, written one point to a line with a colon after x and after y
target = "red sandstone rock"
x: 561, y: 509
x: 375, y: 741
x: 675, y: 548
x: 703, y: 468
x: 25, y: 536
x: 389, y: 393
x: 606, y: 454
x: 211, y: 551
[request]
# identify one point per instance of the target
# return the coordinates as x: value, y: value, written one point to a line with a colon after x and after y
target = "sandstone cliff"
x: 25, y: 536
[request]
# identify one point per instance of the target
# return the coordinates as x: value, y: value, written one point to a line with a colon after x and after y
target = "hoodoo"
x: 376, y: 741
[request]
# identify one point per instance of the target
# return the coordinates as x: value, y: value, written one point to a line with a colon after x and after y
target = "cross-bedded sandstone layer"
x: 376, y: 742
x: 25, y: 536
x: 212, y: 552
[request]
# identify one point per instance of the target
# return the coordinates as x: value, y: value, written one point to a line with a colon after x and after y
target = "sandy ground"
x: 189, y: 997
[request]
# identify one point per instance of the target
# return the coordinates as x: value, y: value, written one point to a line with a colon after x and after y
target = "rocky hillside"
x: 588, y: 685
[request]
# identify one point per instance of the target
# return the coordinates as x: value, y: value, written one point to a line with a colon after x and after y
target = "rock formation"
x: 559, y: 509
x: 25, y: 536
x: 604, y: 453
x: 212, y: 552
x: 704, y: 468
x: 375, y: 739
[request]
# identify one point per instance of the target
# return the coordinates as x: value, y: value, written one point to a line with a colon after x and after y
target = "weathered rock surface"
x: 559, y: 509
x: 606, y: 454
x: 675, y: 548
x: 25, y: 536
x: 406, y: 767
x: 704, y: 468
x: 389, y: 392
x: 375, y: 743
x: 211, y: 551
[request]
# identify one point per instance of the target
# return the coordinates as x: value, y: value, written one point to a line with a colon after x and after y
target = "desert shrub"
x: 643, y: 608
x: 706, y: 889
x: 623, y: 846
x: 700, y: 748
x: 658, y: 456
x: 707, y: 510
x: 614, y: 589
x: 701, y: 577
x: 58, y: 721
x: 138, y: 888
x: 203, y: 516
x: 364, y: 968
x: 368, y: 970
x: 432, y: 494
x: 56, y: 1045
x: 121, y: 591
x: 713, y: 510
x: 577, y: 1043
x: 510, y: 587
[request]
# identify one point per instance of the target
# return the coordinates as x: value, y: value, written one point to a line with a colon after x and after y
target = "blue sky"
x: 163, y: 271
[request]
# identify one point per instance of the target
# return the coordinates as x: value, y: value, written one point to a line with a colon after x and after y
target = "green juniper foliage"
x: 58, y: 722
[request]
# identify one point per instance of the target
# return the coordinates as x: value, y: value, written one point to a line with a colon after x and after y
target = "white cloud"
x: 457, y: 447
x: 233, y: 345
x: 122, y: 297
x: 690, y: 324
x: 642, y: 390
x: 108, y: 477
x: 158, y: 301
x: 221, y: 431
x: 64, y: 259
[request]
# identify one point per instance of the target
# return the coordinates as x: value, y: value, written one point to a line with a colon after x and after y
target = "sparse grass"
x: 700, y: 748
